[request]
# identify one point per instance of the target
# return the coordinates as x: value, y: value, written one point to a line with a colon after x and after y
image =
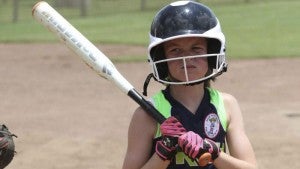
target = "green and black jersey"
x: 209, y: 121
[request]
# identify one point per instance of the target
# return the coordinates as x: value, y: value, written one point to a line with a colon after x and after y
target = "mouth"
x: 189, y: 67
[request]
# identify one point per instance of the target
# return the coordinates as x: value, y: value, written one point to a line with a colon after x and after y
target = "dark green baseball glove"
x: 7, y: 146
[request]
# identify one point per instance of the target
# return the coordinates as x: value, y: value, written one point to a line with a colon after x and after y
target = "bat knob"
x: 204, y: 159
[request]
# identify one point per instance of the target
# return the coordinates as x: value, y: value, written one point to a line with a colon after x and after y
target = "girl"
x: 187, y: 51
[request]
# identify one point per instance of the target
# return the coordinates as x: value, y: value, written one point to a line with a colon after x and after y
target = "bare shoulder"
x: 231, y: 106
x: 228, y: 98
x: 142, y: 121
x: 142, y: 116
x: 230, y: 101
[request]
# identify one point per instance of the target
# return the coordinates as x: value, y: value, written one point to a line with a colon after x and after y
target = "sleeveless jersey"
x: 209, y: 121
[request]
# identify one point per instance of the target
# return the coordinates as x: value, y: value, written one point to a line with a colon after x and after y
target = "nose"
x: 188, y: 53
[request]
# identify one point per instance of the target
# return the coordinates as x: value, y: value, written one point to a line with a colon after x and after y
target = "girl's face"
x: 195, y: 67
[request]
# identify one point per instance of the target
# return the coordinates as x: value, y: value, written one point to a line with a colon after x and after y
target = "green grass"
x: 252, y: 30
x: 262, y: 29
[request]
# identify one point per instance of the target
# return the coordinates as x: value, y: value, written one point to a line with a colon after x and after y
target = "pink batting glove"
x: 191, y: 144
x: 172, y: 127
x: 202, y: 150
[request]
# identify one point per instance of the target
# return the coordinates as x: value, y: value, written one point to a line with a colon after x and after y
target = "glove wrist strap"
x: 165, y: 149
x: 213, y: 149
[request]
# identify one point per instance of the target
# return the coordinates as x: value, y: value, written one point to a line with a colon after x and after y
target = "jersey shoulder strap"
x: 163, y: 106
x: 217, y: 100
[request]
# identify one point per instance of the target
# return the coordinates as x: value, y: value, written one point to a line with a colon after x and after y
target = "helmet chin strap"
x: 146, y: 83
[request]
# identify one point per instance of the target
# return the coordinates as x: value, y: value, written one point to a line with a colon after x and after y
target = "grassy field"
x: 255, y: 29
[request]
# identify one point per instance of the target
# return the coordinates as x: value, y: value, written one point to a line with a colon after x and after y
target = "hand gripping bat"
x: 94, y: 58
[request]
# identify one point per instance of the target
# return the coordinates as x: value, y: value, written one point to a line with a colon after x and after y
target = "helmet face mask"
x: 164, y: 76
x: 180, y: 20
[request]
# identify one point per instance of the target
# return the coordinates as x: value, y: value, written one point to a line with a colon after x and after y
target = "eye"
x: 199, y: 50
x: 173, y: 52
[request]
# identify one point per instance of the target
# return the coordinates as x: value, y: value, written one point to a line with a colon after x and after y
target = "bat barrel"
x: 70, y: 36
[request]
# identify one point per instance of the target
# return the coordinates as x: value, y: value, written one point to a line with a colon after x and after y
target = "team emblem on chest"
x: 211, y: 125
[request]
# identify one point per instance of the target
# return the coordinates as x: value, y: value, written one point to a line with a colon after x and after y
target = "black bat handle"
x: 146, y: 105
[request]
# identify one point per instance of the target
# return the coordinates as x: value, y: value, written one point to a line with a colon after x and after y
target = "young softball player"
x: 186, y: 53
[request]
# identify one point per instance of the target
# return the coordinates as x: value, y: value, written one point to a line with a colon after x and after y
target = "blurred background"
x: 265, y: 28
x: 66, y: 117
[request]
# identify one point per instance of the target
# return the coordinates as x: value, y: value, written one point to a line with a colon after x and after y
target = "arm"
x: 140, y: 135
x: 241, y: 152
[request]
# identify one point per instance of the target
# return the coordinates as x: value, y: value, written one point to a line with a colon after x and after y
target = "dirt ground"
x: 67, y: 117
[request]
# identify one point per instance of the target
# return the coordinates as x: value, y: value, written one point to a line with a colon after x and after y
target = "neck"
x: 189, y: 96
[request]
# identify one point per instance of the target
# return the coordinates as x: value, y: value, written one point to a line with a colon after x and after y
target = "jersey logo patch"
x: 211, y: 125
